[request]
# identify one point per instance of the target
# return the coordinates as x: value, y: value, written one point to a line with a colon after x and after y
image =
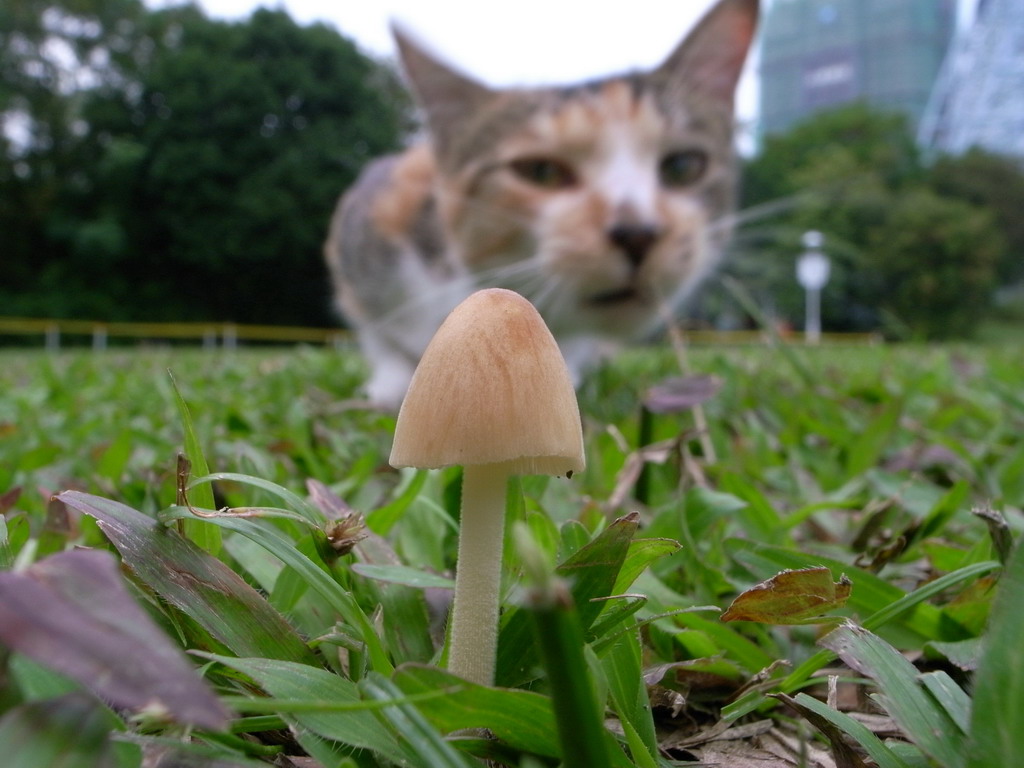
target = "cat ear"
x: 445, y: 94
x: 710, y: 59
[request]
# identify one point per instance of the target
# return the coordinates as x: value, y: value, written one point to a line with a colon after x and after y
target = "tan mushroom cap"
x: 492, y: 387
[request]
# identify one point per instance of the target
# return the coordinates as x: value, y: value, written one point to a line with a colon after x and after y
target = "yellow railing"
x: 703, y: 337
x: 209, y: 334
x: 230, y: 334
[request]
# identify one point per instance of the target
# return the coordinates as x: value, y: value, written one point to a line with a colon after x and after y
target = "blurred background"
x: 168, y: 162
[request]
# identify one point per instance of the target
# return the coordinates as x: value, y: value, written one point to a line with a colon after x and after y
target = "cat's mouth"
x: 616, y: 296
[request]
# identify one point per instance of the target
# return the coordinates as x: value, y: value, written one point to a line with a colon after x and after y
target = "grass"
x: 312, y: 605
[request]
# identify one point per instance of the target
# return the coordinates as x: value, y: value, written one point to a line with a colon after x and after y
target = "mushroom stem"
x: 474, y: 629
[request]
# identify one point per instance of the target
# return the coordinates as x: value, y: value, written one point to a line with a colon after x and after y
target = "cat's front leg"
x: 391, y: 373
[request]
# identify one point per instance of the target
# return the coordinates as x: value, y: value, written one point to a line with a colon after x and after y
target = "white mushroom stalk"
x: 474, y: 635
x: 491, y: 394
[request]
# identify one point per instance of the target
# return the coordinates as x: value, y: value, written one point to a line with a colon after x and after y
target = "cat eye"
x: 680, y: 169
x: 544, y: 172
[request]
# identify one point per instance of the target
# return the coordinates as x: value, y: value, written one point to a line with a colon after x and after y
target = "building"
x: 819, y: 54
x: 978, y: 99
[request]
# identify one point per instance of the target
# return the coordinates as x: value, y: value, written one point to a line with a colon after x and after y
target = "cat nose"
x: 635, y: 240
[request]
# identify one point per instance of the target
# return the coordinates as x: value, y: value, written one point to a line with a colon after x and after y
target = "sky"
x: 530, y: 42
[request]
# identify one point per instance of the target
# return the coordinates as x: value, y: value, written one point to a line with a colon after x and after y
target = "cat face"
x: 602, y: 202
x: 600, y: 205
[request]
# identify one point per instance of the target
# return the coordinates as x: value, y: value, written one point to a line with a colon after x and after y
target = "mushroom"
x: 493, y: 395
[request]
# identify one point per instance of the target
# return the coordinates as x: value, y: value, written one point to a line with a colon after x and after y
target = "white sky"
x: 529, y: 42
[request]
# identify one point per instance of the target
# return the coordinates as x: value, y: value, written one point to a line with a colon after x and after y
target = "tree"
x: 871, y: 140
x: 209, y: 158
x: 935, y: 260
x: 49, y: 54
x: 995, y: 182
x: 905, y: 257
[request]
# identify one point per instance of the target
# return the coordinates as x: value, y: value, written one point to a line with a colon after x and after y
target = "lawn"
x: 856, y: 506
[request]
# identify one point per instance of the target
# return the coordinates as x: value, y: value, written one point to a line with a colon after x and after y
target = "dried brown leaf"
x: 9, y: 498
x: 791, y: 597
x: 681, y: 393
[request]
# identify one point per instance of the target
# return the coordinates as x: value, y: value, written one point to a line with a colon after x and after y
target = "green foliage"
x: 993, y: 182
x: 934, y: 262
x: 916, y: 250
x: 318, y: 621
x: 854, y: 135
x: 997, y: 719
x: 195, y: 166
x: 928, y: 722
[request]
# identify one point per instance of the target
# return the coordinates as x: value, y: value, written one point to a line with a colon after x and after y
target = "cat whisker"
x: 544, y: 294
x: 439, y: 295
x: 550, y: 299
x: 517, y: 269
x: 757, y: 213
x: 524, y: 275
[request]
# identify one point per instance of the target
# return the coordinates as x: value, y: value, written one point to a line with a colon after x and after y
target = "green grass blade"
x: 877, y: 751
x: 642, y: 552
x: 292, y: 500
x: 382, y: 519
x: 318, y: 579
x: 114, y: 459
x: 735, y: 644
x: 759, y: 518
x: 918, y: 714
x: 592, y: 572
x: 804, y: 671
x: 213, y: 595
x: 35, y: 681
x: 578, y: 716
x: 403, y: 574
x: 750, y: 305
x: 275, y: 705
x: 521, y: 719
x: 294, y: 682
x: 71, y: 732
x: 6, y: 554
x: 997, y: 722
x: 873, y: 439
x: 622, y: 664
x: 950, y: 696
x: 925, y: 592
x: 404, y: 612
x: 937, y: 518
x: 620, y: 608
x: 410, y: 727
x: 205, y: 536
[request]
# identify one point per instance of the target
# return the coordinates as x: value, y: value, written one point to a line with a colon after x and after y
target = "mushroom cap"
x: 492, y: 387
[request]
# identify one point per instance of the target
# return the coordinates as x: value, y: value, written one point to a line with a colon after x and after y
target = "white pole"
x: 99, y: 338
x: 812, y: 268
x: 812, y: 323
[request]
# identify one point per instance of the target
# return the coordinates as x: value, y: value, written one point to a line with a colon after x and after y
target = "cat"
x: 603, y: 203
